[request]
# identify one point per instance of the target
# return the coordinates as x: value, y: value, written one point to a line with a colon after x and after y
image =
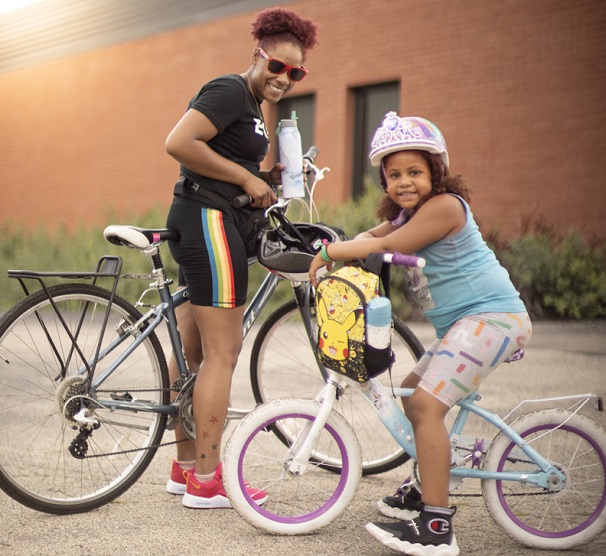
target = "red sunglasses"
x: 278, y: 67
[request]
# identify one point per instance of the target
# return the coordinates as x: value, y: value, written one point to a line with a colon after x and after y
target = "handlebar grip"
x: 311, y: 154
x: 241, y: 200
x: 400, y: 259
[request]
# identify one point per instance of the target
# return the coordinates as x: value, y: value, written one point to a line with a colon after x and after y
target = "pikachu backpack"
x: 342, y: 311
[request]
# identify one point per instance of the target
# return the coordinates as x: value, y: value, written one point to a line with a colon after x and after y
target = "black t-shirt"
x: 242, y: 138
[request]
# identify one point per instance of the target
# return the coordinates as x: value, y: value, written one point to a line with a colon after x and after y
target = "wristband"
x: 324, y: 254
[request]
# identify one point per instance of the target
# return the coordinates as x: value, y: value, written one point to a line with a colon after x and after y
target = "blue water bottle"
x: 378, y: 323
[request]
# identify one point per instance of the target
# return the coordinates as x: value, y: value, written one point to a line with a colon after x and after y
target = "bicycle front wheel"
x: 568, y: 515
x: 297, y: 503
x: 43, y: 386
x: 283, y: 364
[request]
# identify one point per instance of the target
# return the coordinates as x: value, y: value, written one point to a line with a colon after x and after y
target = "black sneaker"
x: 429, y: 534
x: 404, y: 504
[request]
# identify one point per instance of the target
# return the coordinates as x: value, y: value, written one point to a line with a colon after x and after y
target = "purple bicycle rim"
x: 312, y: 515
x: 538, y: 532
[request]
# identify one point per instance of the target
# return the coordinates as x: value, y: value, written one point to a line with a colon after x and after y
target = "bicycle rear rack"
x: 108, y: 266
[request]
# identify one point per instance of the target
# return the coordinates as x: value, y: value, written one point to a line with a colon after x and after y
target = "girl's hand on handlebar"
x: 316, y: 264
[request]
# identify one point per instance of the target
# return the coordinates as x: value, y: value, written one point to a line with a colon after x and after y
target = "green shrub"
x: 66, y: 251
x: 563, y: 277
x: 557, y: 277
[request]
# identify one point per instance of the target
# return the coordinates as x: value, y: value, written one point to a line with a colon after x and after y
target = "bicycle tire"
x: 296, y: 503
x: 36, y: 414
x: 283, y: 364
x: 537, y: 518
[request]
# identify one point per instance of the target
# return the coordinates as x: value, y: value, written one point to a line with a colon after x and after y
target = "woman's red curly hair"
x: 277, y: 24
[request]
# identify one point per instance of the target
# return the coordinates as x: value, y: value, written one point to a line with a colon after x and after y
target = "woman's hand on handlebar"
x: 316, y: 264
x: 262, y: 195
x: 273, y: 176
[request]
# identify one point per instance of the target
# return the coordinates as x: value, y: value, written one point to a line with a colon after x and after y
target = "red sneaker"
x: 212, y: 495
x: 177, y: 483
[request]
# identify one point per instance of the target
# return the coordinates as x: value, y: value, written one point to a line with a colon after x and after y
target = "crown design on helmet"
x: 409, y: 133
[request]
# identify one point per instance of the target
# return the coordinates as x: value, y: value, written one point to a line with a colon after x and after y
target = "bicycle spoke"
x: 39, y: 401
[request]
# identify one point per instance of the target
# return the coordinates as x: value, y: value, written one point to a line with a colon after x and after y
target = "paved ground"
x: 563, y: 358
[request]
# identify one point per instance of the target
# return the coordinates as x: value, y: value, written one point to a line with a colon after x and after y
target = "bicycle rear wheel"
x: 42, y: 387
x: 569, y: 515
x: 283, y: 364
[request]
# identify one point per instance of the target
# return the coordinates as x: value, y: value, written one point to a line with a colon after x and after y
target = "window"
x: 371, y: 104
x: 304, y: 106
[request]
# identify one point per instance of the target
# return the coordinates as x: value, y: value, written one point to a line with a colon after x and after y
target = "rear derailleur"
x: 79, y: 446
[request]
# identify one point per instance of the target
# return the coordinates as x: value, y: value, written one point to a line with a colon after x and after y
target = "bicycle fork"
x: 297, y: 460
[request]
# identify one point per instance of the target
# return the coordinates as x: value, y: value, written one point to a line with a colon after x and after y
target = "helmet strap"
x: 382, y: 175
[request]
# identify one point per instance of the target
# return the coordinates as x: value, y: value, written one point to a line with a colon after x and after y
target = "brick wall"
x: 517, y: 87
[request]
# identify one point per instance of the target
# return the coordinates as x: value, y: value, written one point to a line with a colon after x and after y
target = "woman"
x: 220, y: 142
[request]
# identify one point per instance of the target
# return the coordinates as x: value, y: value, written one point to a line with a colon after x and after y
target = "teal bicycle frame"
x: 393, y: 418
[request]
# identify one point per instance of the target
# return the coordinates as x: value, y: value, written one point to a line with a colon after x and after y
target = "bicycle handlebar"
x: 400, y: 259
x: 244, y: 199
x: 311, y: 154
x: 241, y: 200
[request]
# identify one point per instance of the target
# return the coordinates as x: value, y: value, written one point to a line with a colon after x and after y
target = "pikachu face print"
x: 333, y: 339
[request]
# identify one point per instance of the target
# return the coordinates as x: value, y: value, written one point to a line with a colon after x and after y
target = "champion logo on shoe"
x: 439, y: 526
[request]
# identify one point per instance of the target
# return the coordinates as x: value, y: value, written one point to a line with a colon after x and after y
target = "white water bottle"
x: 291, y: 155
x: 378, y: 322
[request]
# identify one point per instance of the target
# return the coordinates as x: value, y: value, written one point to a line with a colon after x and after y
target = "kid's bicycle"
x: 542, y: 475
x: 84, y: 386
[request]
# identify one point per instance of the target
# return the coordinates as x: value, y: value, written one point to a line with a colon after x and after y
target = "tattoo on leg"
x: 202, y: 456
x: 214, y: 419
x: 214, y: 446
x: 204, y: 434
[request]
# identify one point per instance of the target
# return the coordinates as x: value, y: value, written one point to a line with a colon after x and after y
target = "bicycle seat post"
x: 158, y: 272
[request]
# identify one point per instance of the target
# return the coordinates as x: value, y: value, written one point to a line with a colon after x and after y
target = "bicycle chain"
x: 169, y: 389
x: 161, y: 445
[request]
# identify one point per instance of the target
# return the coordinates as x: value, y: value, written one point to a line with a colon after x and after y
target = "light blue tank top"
x: 461, y: 277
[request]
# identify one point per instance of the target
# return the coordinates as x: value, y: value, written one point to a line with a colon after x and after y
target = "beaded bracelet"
x: 324, y: 254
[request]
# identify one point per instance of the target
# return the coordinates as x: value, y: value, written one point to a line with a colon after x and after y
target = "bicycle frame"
x: 164, y: 311
x: 110, y: 267
x: 393, y: 418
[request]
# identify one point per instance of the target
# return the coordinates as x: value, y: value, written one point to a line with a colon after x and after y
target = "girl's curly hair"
x: 277, y: 25
x: 441, y: 182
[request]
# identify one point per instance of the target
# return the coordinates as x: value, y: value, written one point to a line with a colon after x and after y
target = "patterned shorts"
x: 456, y: 365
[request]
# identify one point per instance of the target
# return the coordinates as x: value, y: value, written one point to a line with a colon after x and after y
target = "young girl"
x: 220, y: 142
x: 477, y: 313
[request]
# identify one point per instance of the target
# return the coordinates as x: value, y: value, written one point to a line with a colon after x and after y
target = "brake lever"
x: 282, y: 203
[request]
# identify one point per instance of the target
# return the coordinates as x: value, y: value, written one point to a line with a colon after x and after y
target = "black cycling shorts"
x: 211, y: 253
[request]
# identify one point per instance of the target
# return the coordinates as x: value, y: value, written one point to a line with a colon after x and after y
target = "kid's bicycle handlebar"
x: 400, y: 259
x: 244, y: 199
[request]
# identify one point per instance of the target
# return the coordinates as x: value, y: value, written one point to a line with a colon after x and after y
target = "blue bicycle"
x: 542, y: 474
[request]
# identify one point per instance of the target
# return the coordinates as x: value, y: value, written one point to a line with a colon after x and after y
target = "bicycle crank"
x: 186, y: 410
